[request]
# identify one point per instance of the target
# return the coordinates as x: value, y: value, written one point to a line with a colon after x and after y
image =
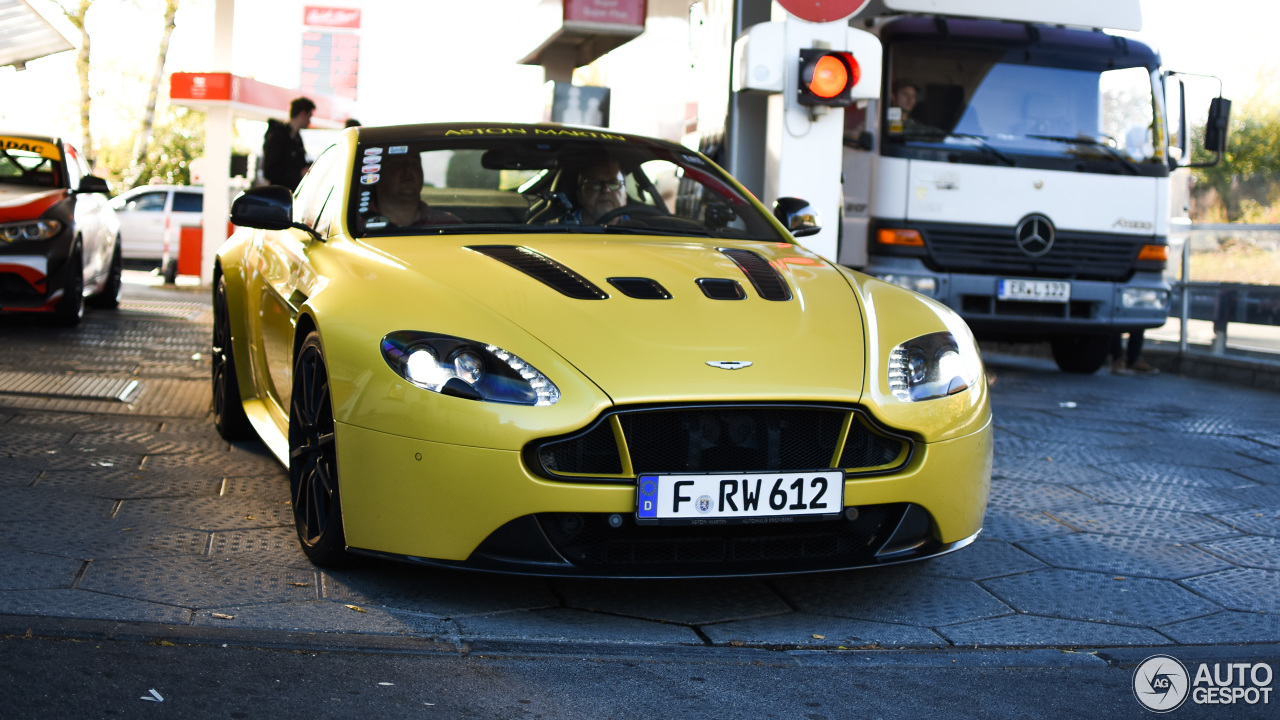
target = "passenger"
x: 601, y: 189
x: 398, y: 201
x: 1129, y: 361
x: 904, y: 96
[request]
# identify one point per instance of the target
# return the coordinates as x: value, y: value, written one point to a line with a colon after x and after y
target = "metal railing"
x: 1229, y: 273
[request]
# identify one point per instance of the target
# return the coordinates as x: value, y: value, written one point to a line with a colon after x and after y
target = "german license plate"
x: 1052, y: 291
x: 739, y: 497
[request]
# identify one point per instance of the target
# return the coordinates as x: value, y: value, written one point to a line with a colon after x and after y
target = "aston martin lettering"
x: 557, y: 132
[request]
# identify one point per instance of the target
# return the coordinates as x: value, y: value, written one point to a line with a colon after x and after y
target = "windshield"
x: 536, y: 184
x: 33, y: 164
x: 1063, y: 109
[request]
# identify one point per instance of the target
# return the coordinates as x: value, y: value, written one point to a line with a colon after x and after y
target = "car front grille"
x: 720, y: 438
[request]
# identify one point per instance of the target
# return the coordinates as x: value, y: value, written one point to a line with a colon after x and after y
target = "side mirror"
x: 797, y: 216
x: 93, y: 184
x: 1215, y: 130
x: 266, y: 208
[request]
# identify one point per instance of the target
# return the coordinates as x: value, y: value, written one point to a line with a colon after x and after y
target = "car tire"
x: 113, y: 288
x: 1082, y: 354
x: 70, y: 309
x: 313, y: 462
x: 228, y: 410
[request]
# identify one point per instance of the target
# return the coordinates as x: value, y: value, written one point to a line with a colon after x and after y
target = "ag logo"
x: 1034, y: 235
x: 1160, y: 683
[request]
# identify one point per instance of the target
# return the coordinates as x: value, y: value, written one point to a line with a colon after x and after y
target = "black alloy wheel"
x: 113, y: 288
x: 313, y: 462
x: 228, y: 410
x: 70, y: 309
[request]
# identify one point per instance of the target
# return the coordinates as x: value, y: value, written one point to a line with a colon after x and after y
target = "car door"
x: 282, y: 268
x: 89, y: 211
x: 142, y: 225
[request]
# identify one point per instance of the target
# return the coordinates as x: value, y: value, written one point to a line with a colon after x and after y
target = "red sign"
x: 330, y: 63
x: 331, y: 17
x: 609, y: 12
x: 823, y: 10
x: 200, y: 86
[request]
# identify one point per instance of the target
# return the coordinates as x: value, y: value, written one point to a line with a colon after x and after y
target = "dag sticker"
x: 369, y: 179
x: 373, y: 151
x: 398, y: 149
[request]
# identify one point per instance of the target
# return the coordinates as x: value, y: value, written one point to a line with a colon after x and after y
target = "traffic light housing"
x: 827, y: 78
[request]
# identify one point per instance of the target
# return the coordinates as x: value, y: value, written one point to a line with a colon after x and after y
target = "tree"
x: 176, y: 139
x: 75, y: 10
x: 149, y: 115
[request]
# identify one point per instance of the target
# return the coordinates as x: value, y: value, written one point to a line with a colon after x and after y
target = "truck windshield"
x: 1064, y: 109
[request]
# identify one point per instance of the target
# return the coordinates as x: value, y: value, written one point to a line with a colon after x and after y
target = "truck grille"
x: 993, y: 250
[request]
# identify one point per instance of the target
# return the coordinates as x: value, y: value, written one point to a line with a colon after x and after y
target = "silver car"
x: 152, y: 217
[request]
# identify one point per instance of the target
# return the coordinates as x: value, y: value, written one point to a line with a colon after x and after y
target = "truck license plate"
x: 739, y: 497
x: 1051, y: 291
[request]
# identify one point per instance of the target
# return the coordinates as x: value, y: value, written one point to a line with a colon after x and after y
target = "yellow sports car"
x: 569, y: 351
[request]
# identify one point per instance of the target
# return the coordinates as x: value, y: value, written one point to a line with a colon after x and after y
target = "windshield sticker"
x: 369, y: 179
x: 373, y: 151
x: 370, y: 168
x: 376, y: 223
x: 536, y: 132
x: 398, y: 149
x: 43, y: 149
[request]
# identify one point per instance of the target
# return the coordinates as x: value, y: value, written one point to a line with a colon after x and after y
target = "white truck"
x: 1018, y: 163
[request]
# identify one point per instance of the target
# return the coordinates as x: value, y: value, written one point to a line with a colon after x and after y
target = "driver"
x: 601, y: 189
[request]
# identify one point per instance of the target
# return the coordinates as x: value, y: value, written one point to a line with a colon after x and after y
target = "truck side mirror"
x: 1215, y: 131
x: 797, y: 216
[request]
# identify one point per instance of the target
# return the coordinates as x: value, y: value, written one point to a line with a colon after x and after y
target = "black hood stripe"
x: 543, y: 269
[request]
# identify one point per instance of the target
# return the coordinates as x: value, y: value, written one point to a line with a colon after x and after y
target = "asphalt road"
x: 1129, y: 517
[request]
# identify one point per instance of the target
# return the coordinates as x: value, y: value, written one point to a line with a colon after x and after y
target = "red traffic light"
x: 827, y: 77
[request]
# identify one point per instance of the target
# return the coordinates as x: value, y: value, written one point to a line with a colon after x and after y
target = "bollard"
x: 1226, y: 308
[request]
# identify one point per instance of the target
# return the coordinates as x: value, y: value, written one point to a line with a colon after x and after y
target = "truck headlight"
x: 1144, y: 299
x: 923, y: 284
x: 932, y: 366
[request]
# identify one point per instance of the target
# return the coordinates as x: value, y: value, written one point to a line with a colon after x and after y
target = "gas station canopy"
x: 25, y: 35
x: 251, y: 99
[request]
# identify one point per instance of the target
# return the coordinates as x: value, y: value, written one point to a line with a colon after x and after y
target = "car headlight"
x: 932, y: 366
x: 467, y: 369
x: 29, y: 230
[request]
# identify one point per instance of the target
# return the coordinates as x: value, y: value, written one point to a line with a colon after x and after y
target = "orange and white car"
x: 59, y: 236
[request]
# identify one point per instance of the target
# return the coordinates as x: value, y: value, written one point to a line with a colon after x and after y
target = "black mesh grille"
x: 719, y: 438
x: 994, y: 250
x: 727, y: 439
x: 864, y: 448
x: 14, y: 287
x: 544, y: 269
x: 587, y: 539
x: 640, y: 288
x: 594, y: 451
x: 721, y: 289
x: 767, y: 282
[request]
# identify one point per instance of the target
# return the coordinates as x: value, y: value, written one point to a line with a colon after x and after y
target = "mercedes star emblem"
x: 729, y: 364
x: 1034, y: 235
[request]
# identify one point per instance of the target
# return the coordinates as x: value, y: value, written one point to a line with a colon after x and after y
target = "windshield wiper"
x: 1093, y: 142
x: 981, y: 143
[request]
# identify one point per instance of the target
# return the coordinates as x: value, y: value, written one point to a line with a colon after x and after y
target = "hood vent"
x: 640, y: 288
x: 767, y: 282
x: 543, y: 269
x: 721, y: 289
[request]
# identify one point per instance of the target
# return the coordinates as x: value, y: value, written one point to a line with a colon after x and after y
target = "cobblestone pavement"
x: 1125, y: 511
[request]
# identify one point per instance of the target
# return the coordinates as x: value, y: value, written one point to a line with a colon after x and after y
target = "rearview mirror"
x: 266, y: 208
x: 1215, y: 130
x: 93, y: 184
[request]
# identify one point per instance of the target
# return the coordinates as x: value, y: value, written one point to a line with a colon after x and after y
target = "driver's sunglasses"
x: 601, y: 185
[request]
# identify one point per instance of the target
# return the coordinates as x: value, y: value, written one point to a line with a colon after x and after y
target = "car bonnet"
x: 672, y: 319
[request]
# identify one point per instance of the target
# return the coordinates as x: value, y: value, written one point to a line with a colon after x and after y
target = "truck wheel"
x: 1082, y: 354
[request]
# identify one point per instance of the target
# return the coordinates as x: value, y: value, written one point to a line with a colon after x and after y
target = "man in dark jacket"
x: 284, y: 158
